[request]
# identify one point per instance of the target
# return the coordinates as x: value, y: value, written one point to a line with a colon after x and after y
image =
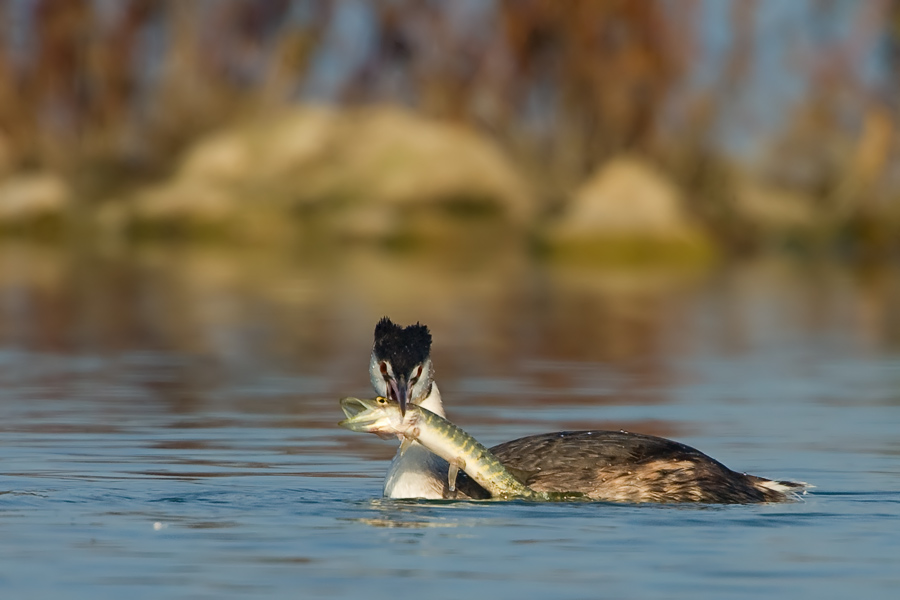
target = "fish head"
x: 379, y: 415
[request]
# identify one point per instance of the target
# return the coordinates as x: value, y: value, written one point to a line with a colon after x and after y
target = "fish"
x: 384, y: 417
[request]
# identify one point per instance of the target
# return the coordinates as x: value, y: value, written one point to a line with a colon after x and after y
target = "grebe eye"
x: 383, y: 367
x: 381, y: 400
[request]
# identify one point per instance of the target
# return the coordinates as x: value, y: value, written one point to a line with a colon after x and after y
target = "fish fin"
x: 521, y: 474
x: 407, y: 439
x: 455, y: 466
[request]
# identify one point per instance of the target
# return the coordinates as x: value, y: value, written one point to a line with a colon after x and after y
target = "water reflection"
x: 197, y: 326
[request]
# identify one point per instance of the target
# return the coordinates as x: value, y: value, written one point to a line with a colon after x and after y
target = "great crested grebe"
x: 615, y: 466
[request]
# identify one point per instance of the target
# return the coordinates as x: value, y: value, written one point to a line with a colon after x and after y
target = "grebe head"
x: 401, y: 367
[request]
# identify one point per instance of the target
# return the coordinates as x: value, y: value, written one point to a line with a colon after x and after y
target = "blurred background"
x: 595, y: 125
x: 260, y: 181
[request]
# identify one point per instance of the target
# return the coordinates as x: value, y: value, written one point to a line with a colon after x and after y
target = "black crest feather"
x: 403, y: 347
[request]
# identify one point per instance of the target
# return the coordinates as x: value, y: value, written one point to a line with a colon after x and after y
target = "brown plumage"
x: 619, y: 466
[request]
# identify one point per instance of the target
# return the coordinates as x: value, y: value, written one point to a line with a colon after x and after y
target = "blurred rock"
x: 31, y: 198
x: 184, y: 204
x: 773, y: 210
x: 371, y: 173
x: 398, y: 159
x: 627, y: 210
x: 7, y: 155
x: 219, y: 159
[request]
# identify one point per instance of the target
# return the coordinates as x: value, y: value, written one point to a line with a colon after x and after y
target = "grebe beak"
x: 399, y: 391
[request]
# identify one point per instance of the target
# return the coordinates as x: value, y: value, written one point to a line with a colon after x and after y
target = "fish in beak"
x: 368, y: 415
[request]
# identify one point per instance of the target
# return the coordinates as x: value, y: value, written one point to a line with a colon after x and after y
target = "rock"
x: 369, y: 171
x: 627, y: 197
x: 295, y: 141
x: 28, y: 198
x: 219, y: 159
x: 401, y: 160
x: 7, y: 155
x: 627, y: 209
x: 255, y: 153
x: 183, y: 205
x: 772, y: 209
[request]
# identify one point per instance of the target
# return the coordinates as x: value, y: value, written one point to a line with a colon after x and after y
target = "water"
x: 167, y: 425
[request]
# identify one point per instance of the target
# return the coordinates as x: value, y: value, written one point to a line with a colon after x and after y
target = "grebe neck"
x: 418, y: 473
x: 433, y: 401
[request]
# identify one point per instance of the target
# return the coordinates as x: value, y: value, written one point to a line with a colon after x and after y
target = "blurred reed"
x: 109, y: 93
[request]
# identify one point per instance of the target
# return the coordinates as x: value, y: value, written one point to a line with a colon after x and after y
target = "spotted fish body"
x: 456, y: 446
x: 382, y: 416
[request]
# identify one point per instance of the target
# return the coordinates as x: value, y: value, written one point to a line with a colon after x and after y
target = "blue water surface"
x: 182, y: 470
